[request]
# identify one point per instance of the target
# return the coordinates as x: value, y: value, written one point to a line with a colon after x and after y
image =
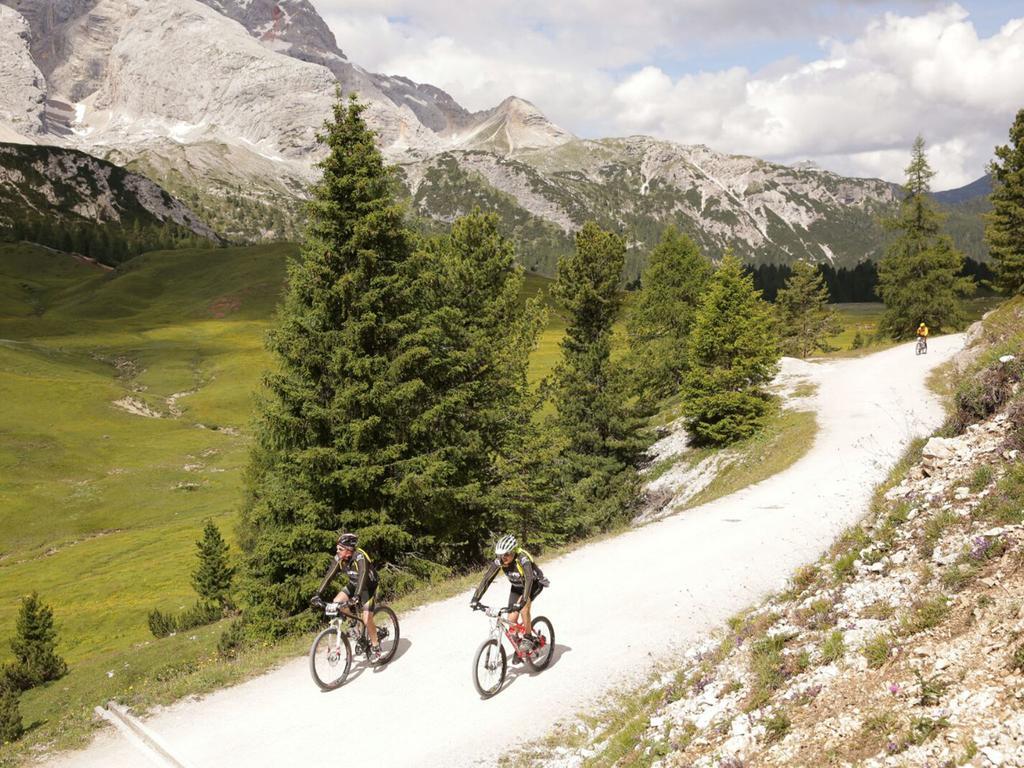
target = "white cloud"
x: 876, y: 83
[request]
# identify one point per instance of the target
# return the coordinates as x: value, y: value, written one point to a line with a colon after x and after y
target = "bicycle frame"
x: 512, y: 632
x: 346, y: 622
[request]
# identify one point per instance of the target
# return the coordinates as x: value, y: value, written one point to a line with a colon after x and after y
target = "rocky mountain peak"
x: 514, y: 125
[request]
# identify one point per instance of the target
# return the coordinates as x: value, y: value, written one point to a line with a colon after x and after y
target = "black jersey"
x: 522, y: 572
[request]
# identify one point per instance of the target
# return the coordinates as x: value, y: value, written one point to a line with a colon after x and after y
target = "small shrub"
x: 818, y: 615
x: 833, y: 647
x: 35, y: 643
x: 923, y: 729
x: 899, y: 514
x: 930, y: 689
x: 1017, y: 659
x: 232, y: 640
x: 924, y: 614
x: 776, y: 727
x: 877, y: 649
x: 161, y: 624
x: 803, y: 578
x: 11, y: 726
x: 842, y: 567
x: 767, y: 664
x: 879, y: 723
x: 980, y: 478
x: 212, y: 576
x: 199, y: 615
x: 732, y: 687
x: 880, y: 610
x: 958, y: 576
x: 936, y: 526
x: 858, y: 341
x: 1015, y: 425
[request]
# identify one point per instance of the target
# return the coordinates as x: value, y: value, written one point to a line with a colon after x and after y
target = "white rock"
x: 993, y: 755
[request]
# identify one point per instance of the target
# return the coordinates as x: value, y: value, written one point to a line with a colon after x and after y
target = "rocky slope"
x: 252, y: 80
x: 41, y: 187
x: 904, y: 646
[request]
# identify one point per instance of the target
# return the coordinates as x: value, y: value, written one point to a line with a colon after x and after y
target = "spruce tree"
x: 595, y: 417
x: 212, y: 577
x: 733, y: 355
x: 469, y: 352
x: 35, y: 644
x: 1004, y: 230
x: 660, y: 317
x: 11, y: 727
x: 332, y: 418
x: 919, y: 276
x: 805, y: 319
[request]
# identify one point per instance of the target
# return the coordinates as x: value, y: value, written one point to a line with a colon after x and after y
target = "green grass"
x: 864, y: 318
x: 785, y: 438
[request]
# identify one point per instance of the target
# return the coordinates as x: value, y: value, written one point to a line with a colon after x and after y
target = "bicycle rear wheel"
x: 387, y: 633
x: 489, y: 667
x: 545, y: 634
x: 330, y: 659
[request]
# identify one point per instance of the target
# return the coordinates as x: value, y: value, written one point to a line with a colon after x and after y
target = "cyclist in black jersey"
x: 525, y: 576
x: 361, y: 587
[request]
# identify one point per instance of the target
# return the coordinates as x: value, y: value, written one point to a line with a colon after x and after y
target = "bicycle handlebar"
x: 492, y: 612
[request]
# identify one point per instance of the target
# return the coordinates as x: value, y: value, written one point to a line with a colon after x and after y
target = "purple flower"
x: 980, y: 548
x: 894, y: 688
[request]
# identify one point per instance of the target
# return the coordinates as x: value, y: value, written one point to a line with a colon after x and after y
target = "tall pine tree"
x: 805, y: 319
x: 35, y: 645
x: 1005, y: 228
x: 919, y: 277
x: 470, y: 350
x: 334, y: 414
x: 659, y: 319
x: 734, y: 353
x: 600, y: 427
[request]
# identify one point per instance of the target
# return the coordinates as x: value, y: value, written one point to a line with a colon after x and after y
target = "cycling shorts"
x: 366, y: 596
x: 516, y: 594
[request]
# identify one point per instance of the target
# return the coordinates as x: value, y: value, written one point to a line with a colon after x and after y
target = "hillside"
x: 901, y: 646
x: 70, y: 200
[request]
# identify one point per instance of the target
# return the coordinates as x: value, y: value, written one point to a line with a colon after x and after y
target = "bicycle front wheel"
x: 545, y: 634
x: 489, y: 667
x: 387, y: 633
x: 330, y: 659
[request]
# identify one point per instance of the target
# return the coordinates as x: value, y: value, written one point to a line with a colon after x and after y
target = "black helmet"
x: 348, y: 540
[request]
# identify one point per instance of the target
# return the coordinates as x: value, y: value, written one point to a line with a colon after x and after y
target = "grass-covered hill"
x: 73, y: 201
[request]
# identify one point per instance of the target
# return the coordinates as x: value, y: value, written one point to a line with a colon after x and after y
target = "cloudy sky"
x: 846, y: 83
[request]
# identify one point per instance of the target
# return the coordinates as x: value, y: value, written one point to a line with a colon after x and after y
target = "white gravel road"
x: 618, y: 606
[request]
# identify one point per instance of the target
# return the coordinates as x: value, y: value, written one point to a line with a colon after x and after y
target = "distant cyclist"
x: 922, y: 335
x: 361, y: 587
x: 527, y: 582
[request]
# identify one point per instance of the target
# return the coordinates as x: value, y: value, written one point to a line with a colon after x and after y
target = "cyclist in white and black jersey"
x: 525, y: 576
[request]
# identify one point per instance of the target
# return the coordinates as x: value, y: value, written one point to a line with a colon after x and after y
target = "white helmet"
x: 505, y: 545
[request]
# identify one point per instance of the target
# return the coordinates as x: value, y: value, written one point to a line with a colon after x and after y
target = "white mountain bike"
x: 330, y: 657
x: 490, y: 664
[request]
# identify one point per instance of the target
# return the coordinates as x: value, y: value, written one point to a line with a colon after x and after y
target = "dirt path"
x: 677, y: 579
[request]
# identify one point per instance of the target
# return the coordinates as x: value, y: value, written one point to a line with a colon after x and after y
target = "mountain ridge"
x: 238, y: 118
